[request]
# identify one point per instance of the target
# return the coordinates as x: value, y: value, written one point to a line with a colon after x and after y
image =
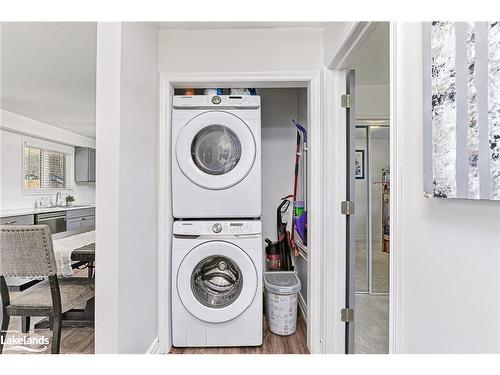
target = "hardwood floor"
x: 73, y: 340
x: 273, y: 344
x: 81, y: 340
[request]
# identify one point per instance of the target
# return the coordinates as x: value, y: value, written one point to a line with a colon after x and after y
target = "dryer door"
x: 216, y: 281
x: 215, y: 150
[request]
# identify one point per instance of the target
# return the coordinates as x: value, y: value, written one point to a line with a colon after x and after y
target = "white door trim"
x: 334, y: 264
x: 312, y: 81
x: 395, y: 198
x: 334, y: 280
x: 165, y: 216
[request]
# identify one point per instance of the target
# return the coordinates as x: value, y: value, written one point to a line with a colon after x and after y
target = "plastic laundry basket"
x: 281, y: 301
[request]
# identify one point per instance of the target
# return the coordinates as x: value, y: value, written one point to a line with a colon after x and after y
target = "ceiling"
x: 48, y: 73
x: 372, y: 60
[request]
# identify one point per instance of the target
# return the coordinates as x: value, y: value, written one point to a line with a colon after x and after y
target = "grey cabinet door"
x: 82, y: 212
x: 88, y: 222
x: 84, y: 164
x: 73, y: 224
x: 18, y: 220
x: 85, y: 222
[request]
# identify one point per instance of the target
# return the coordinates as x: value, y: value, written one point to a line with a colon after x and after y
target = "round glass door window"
x: 216, y: 281
x: 216, y: 149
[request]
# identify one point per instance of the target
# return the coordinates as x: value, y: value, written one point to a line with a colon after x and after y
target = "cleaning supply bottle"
x: 214, y: 91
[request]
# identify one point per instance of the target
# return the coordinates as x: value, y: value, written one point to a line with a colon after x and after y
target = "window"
x: 45, y: 169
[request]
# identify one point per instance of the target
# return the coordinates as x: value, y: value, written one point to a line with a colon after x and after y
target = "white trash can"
x: 281, y: 301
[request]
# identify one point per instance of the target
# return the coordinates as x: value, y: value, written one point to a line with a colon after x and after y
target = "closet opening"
x: 280, y: 146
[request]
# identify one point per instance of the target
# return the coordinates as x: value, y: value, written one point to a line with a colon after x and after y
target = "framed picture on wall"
x: 359, y: 165
x: 461, y: 99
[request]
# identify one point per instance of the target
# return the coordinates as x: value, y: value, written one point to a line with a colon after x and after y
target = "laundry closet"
x: 209, y: 292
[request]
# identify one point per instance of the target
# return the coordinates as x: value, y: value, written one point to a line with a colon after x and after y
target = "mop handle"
x: 303, y: 130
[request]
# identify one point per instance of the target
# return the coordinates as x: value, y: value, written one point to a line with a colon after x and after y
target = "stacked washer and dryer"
x: 217, y: 234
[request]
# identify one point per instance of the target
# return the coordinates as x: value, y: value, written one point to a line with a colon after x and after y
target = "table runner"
x: 63, y: 247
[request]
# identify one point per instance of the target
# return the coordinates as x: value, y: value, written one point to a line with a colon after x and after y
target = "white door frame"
x: 311, y: 81
x: 335, y: 189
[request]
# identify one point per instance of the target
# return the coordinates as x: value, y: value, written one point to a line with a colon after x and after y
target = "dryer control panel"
x: 217, y: 227
x: 216, y: 101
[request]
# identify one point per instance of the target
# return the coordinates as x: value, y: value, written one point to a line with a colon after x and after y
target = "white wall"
x: 127, y: 111
x: 372, y: 102
x: 449, y: 250
x: 14, y: 129
x: 241, y: 50
x: 278, y: 152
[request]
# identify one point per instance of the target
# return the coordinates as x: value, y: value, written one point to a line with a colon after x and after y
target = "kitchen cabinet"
x: 18, y: 220
x: 86, y: 222
x: 84, y: 164
x: 80, y: 219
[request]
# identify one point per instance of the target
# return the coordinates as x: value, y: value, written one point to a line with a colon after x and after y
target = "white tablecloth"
x: 63, y: 247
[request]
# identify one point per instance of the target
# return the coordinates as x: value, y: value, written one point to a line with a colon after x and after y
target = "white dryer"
x: 216, y: 156
x: 217, y: 283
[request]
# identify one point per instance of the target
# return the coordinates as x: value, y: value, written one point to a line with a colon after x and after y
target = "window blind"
x: 45, y: 169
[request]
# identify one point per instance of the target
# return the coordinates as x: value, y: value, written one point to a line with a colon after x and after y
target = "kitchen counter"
x: 34, y: 211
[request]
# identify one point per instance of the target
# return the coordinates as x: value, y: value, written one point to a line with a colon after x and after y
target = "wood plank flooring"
x: 81, y: 340
x: 73, y: 340
x: 272, y: 344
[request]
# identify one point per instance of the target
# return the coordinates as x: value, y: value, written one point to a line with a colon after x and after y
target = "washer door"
x: 216, y: 281
x: 215, y: 150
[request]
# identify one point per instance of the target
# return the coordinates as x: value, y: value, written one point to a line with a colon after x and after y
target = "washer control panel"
x: 210, y: 101
x: 217, y: 227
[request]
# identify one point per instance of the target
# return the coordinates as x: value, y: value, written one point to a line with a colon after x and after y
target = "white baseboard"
x: 154, y: 348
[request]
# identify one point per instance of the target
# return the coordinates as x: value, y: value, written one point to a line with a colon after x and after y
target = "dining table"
x: 72, y: 250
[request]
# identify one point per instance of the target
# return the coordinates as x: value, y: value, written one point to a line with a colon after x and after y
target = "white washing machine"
x: 216, y: 161
x: 217, y: 283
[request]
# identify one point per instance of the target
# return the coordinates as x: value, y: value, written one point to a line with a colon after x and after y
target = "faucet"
x: 58, y: 196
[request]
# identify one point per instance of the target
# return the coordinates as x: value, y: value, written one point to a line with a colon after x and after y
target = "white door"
x: 215, y: 150
x: 217, y: 281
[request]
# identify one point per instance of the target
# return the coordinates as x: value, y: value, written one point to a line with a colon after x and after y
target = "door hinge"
x: 347, y: 208
x: 347, y: 315
x: 345, y: 101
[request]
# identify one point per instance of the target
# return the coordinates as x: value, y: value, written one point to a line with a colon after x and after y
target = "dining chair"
x: 27, y: 251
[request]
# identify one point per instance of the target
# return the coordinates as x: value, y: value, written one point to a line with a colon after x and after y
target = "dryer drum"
x: 216, y: 149
x: 216, y: 282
